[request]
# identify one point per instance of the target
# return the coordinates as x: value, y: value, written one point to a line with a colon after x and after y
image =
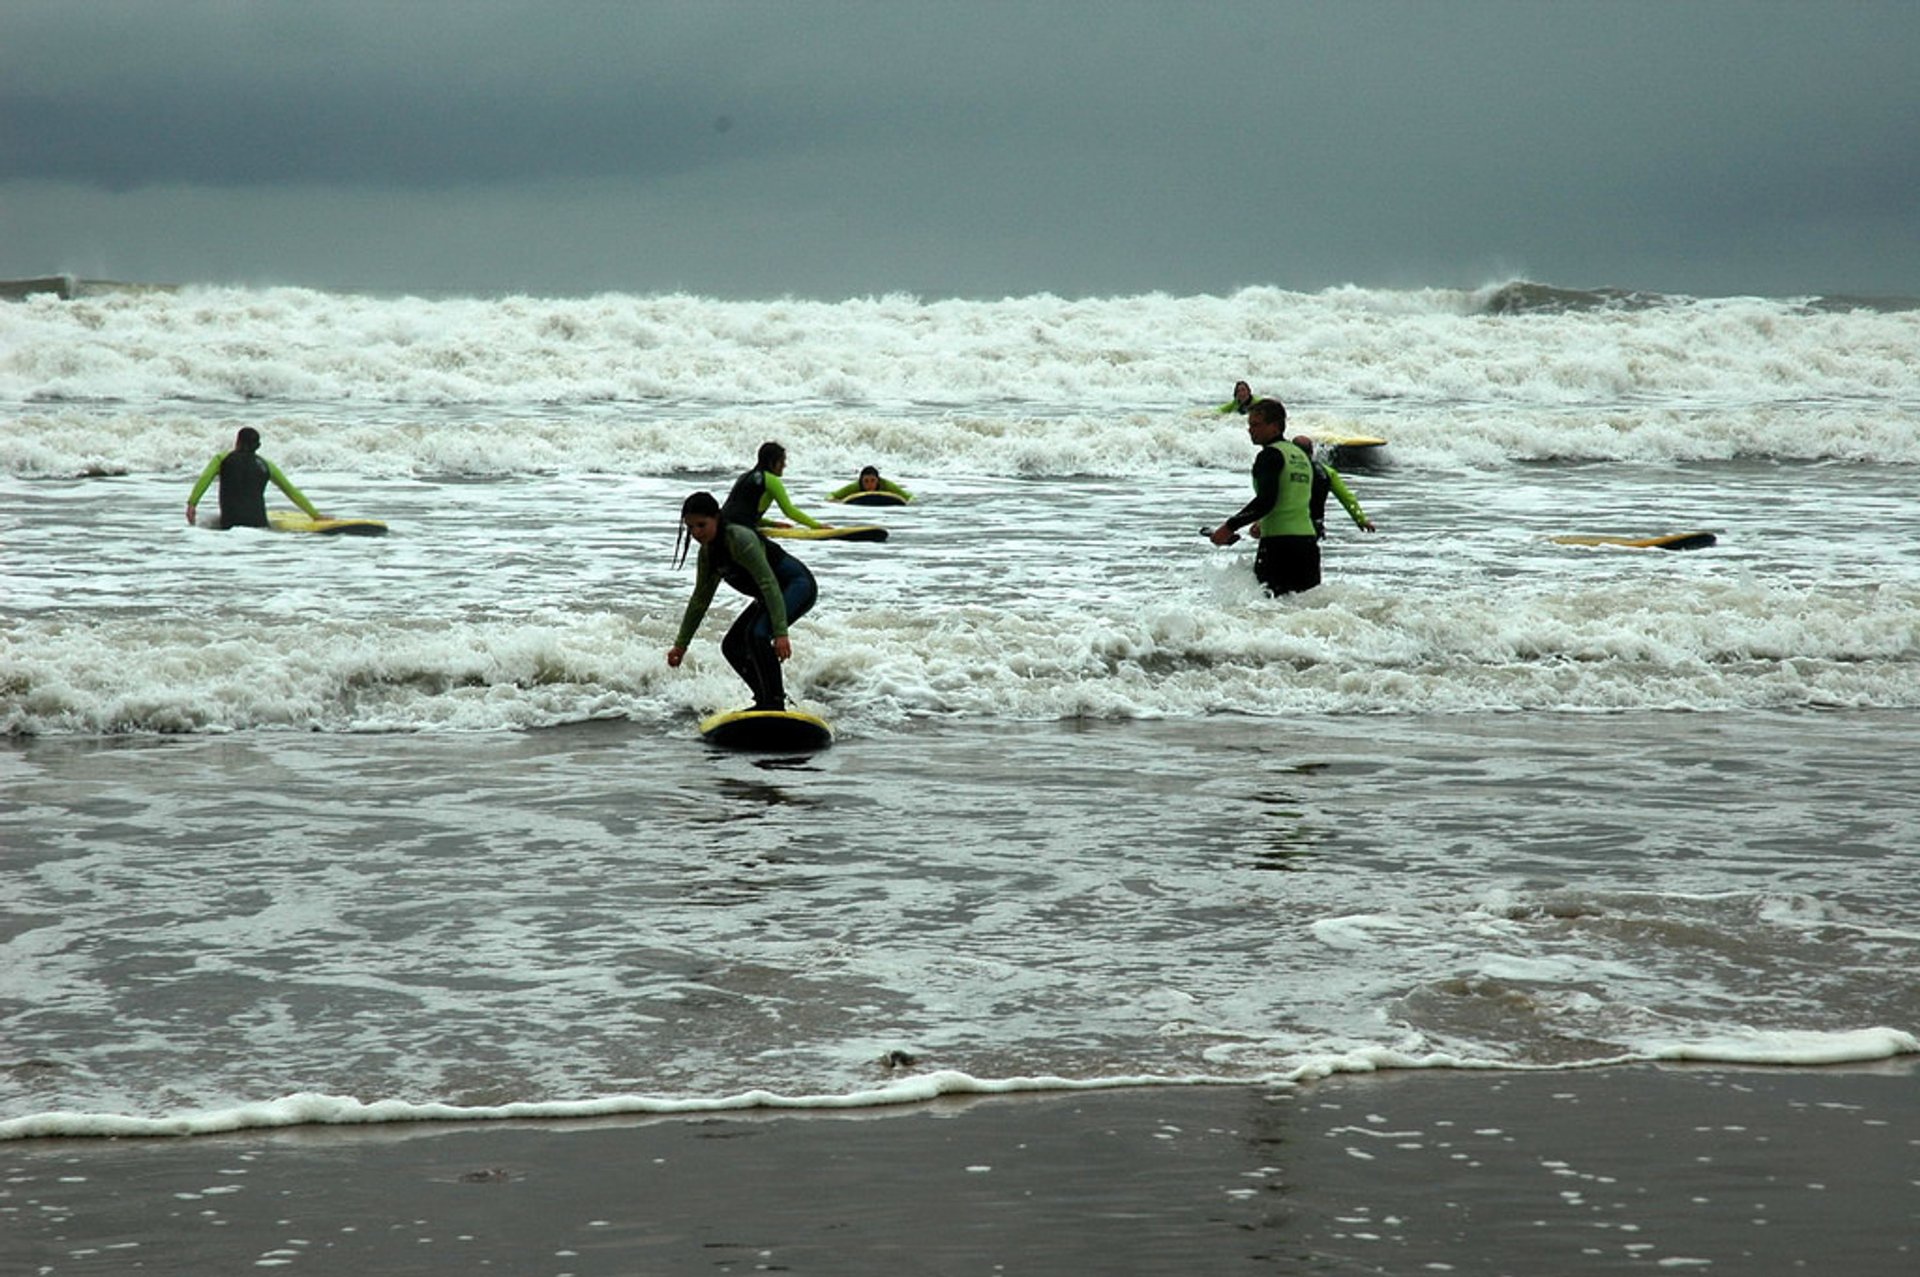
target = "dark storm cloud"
x: 1057, y: 145
x: 394, y: 139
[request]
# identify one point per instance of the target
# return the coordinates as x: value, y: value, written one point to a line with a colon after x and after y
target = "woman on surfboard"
x: 244, y: 475
x: 781, y: 587
x: 760, y: 487
x: 869, y: 481
x: 1241, y: 401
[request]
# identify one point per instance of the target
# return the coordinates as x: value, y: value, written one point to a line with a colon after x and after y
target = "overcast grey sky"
x: 976, y: 148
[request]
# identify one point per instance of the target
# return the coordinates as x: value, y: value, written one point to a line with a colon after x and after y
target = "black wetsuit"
x: 243, y: 490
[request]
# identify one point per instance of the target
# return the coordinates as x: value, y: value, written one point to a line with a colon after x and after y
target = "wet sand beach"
x: 1629, y: 1169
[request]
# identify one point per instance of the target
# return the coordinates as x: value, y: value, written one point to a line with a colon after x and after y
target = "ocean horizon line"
x: 1517, y: 295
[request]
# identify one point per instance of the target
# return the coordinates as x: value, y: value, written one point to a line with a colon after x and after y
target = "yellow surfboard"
x: 294, y: 521
x: 1668, y: 541
x: 767, y: 731
x: 827, y: 534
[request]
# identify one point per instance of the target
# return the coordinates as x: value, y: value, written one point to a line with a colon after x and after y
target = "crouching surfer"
x: 781, y: 587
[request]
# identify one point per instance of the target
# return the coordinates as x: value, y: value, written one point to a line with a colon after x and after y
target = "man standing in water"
x: 1288, y: 561
x: 781, y: 587
x: 243, y: 475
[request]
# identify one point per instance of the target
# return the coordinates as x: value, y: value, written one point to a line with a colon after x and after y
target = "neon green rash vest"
x: 1292, y: 514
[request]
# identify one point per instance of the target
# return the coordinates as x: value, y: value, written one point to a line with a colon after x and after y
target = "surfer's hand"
x: 190, y: 510
x: 1223, y: 535
x: 782, y: 648
x: 674, y: 656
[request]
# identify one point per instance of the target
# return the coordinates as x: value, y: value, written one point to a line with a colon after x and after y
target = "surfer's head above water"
x: 772, y: 457
x: 699, y: 522
x: 248, y: 440
x: 869, y: 478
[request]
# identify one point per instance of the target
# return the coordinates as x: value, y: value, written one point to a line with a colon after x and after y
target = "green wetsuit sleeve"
x: 778, y: 491
x: 1346, y: 498
x: 206, y: 479
x: 844, y: 491
x: 285, y: 485
x: 896, y: 489
x: 1226, y: 407
x: 1266, y: 489
x: 750, y: 553
x: 705, y: 581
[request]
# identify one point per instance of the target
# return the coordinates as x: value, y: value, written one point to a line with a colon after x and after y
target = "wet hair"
x: 1303, y: 443
x: 698, y: 503
x: 1268, y: 410
x: 869, y: 470
x: 248, y: 440
x: 771, y: 455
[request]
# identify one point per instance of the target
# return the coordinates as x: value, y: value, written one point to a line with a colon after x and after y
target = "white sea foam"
x: 1092, y: 386
x: 317, y: 1109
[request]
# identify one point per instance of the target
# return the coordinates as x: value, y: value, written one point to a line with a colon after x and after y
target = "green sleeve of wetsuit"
x: 1350, y: 502
x: 705, y: 581
x: 1226, y: 407
x: 844, y: 491
x: 749, y: 552
x: 778, y: 491
x: 1267, y: 470
x: 285, y: 485
x: 896, y: 489
x: 206, y: 479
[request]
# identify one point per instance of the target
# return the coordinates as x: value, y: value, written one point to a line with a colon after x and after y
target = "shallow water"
x: 423, y: 819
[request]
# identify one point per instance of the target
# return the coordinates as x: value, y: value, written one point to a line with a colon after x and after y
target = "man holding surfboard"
x: 1288, y: 560
x: 760, y: 487
x: 244, y: 475
x: 781, y: 587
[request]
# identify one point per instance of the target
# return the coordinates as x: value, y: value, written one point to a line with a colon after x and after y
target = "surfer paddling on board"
x: 760, y: 487
x: 243, y: 474
x: 1242, y: 400
x: 869, y: 481
x: 781, y: 587
x: 1326, y: 479
x: 1289, y: 557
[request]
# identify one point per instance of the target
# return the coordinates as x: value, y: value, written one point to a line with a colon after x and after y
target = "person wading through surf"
x: 781, y: 587
x: 244, y: 475
x: 1327, y: 480
x: 1288, y: 560
x: 760, y: 487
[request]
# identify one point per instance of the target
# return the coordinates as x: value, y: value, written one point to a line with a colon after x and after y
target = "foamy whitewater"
x: 300, y: 829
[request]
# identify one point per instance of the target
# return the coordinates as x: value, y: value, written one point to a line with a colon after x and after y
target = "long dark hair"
x: 696, y: 503
x: 771, y: 455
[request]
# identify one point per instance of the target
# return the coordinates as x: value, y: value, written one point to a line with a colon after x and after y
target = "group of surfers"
x: 1290, y: 490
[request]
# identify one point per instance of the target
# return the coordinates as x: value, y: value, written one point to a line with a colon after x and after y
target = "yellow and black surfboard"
x: 294, y: 521
x: 1666, y: 541
x: 767, y: 731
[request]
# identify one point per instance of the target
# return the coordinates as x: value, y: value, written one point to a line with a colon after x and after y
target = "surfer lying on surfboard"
x: 244, y: 475
x: 869, y: 481
x: 781, y: 587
